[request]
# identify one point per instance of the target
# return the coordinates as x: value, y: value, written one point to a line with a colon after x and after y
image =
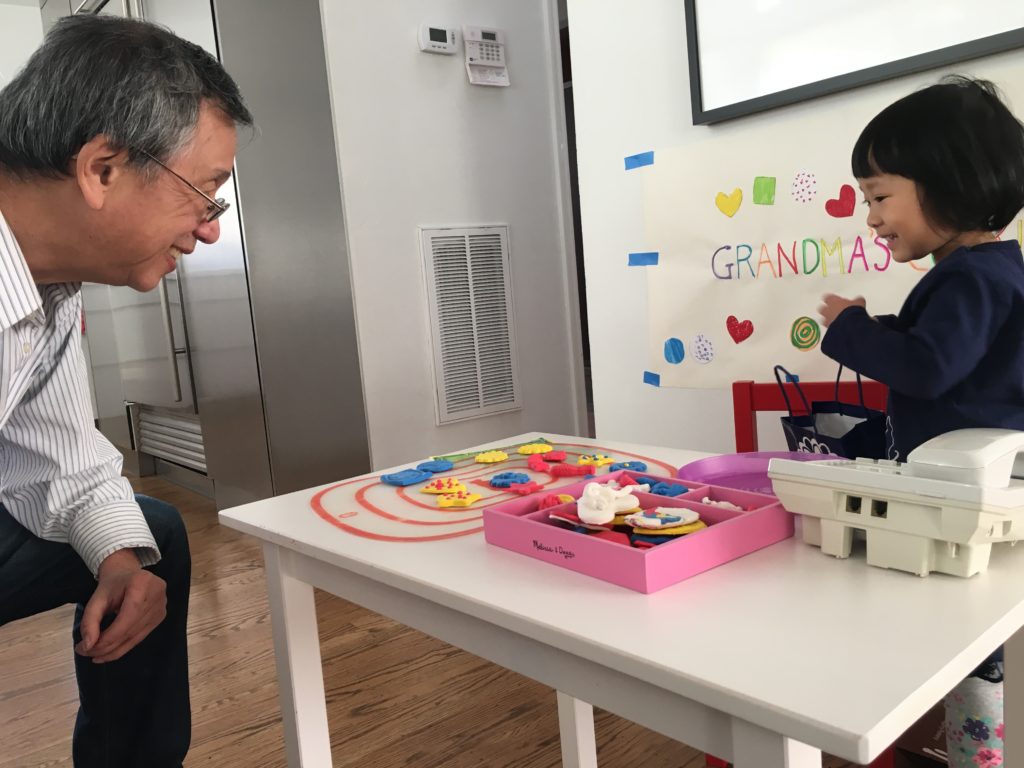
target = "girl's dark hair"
x: 961, y: 145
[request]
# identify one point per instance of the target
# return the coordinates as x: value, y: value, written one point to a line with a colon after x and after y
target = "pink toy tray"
x: 520, y: 525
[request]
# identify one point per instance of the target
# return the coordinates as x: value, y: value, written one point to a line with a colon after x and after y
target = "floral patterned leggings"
x: 974, y: 724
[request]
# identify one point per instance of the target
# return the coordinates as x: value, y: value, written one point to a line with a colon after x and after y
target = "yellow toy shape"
x: 597, y: 460
x: 532, y: 448
x: 491, y: 457
x: 460, y: 499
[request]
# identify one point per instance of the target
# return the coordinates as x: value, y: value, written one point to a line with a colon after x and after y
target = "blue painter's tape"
x: 639, y: 161
x: 652, y: 378
x: 674, y: 351
x: 646, y: 259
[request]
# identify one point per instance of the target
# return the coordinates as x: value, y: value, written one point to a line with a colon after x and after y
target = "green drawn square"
x: 764, y: 190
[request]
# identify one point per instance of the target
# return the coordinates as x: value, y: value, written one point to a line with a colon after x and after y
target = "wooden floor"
x: 395, y: 696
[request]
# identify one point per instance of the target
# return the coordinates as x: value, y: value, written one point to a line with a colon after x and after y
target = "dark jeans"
x: 134, y: 712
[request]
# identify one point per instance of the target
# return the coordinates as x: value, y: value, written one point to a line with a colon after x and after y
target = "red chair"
x: 748, y: 398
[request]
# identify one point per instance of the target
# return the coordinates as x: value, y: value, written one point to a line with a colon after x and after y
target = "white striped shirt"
x: 59, y: 477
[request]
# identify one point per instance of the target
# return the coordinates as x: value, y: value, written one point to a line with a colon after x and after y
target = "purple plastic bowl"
x: 743, y: 471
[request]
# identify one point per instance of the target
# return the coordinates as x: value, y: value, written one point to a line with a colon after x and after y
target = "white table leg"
x: 755, y: 747
x: 576, y: 726
x: 1013, y: 700
x: 300, y: 675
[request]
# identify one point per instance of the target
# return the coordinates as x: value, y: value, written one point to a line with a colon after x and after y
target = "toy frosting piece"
x: 723, y: 504
x: 460, y: 499
x: 491, y: 457
x: 435, y: 466
x: 406, y: 477
x: 668, y: 489
x: 505, y: 479
x: 597, y: 460
x: 599, y: 504
x: 525, y: 489
x: 629, y: 466
x: 663, y: 517
x: 443, y: 485
x: 555, y: 456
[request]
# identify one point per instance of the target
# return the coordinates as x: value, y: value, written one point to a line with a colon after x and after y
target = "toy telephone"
x: 958, y: 494
x: 485, y: 56
x: 985, y: 457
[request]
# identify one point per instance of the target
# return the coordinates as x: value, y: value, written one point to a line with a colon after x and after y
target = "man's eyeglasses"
x: 215, y: 208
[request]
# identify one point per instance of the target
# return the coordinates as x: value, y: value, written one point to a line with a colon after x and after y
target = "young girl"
x: 942, y: 172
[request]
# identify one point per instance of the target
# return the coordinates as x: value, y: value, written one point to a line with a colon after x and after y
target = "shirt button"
x: 27, y: 348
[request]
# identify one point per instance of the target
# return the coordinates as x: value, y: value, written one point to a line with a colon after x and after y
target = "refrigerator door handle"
x: 172, y: 352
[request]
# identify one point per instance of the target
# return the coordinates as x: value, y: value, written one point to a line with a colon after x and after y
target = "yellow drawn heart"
x: 729, y: 204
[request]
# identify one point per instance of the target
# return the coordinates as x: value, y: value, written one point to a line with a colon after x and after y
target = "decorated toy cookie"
x: 723, y: 504
x: 491, y: 457
x: 663, y: 517
x: 679, y: 530
x: 460, y: 499
x: 443, y: 485
x: 599, y: 504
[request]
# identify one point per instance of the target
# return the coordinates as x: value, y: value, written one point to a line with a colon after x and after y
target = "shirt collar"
x: 19, y: 297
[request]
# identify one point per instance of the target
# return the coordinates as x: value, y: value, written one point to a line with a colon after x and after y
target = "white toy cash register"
x: 941, y: 511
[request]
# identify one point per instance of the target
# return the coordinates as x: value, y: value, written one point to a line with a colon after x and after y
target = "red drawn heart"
x: 842, y: 206
x: 739, y: 331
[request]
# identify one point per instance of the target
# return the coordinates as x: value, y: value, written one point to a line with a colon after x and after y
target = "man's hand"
x: 832, y: 305
x: 137, y: 597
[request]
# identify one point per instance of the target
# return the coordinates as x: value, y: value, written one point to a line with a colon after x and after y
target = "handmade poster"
x: 742, y: 239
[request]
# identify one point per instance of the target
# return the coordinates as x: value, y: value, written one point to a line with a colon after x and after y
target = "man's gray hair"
x: 136, y: 83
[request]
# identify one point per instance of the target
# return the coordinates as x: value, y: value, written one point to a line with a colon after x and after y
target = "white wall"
x: 21, y: 31
x: 419, y: 146
x: 631, y: 92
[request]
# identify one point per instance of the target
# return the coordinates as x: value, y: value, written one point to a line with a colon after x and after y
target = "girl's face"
x: 894, y: 212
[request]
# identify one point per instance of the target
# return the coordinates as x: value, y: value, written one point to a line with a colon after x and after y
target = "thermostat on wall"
x: 437, y: 39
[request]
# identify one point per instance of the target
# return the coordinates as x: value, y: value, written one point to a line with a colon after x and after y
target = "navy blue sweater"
x: 954, y: 356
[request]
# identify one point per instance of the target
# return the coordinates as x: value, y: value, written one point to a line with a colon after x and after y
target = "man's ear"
x: 98, y: 169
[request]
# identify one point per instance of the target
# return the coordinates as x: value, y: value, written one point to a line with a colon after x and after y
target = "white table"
x: 764, y: 661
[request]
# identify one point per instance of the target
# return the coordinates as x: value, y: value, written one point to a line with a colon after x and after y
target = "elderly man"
x: 113, y: 142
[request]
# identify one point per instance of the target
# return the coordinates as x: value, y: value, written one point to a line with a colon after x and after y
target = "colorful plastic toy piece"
x: 505, y: 479
x: 533, y: 448
x: 406, y: 477
x: 460, y: 499
x: 566, y: 470
x: 668, y: 489
x: 565, y: 498
x: 597, y: 460
x: 537, y: 463
x: 525, y: 489
x: 491, y: 457
x: 435, y: 466
x: 629, y: 466
x: 551, y: 500
x: 443, y: 485
x: 555, y: 456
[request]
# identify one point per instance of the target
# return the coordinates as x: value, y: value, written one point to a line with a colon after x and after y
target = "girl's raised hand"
x: 833, y: 305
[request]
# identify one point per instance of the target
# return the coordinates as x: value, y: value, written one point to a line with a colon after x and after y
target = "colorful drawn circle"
x: 805, y: 333
x: 804, y: 187
x: 674, y: 351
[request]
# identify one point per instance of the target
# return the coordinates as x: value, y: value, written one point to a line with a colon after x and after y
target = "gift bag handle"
x: 792, y: 380
x: 860, y: 389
